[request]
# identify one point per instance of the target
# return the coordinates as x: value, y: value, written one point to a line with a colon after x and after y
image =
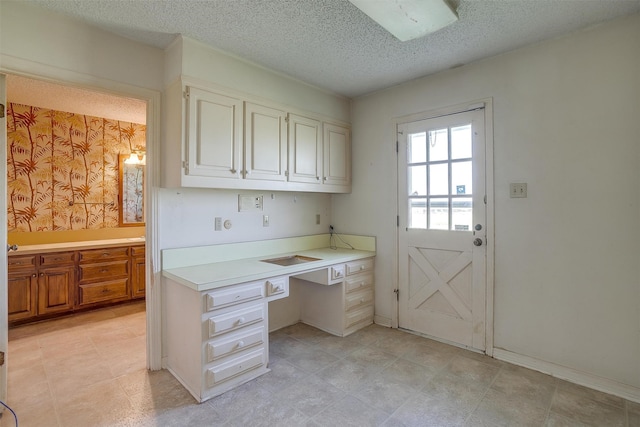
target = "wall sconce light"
x: 137, y: 157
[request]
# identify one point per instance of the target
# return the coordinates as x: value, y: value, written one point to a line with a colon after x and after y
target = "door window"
x: 440, y: 177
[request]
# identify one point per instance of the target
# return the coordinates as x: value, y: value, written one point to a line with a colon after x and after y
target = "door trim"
x: 487, y: 103
x: 39, y: 71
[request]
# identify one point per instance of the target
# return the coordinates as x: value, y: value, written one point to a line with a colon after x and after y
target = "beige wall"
x: 566, y: 121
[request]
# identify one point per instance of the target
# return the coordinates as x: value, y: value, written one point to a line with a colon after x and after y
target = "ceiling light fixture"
x: 409, y: 19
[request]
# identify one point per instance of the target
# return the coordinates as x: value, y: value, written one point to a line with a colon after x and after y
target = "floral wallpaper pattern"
x: 63, y: 168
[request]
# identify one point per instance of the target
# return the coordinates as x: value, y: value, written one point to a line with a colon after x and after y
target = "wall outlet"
x: 518, y: 190
x: 218, y: 224
x: 265, y: 220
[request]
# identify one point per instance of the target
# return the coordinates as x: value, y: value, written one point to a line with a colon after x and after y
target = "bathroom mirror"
x: 131, y: 204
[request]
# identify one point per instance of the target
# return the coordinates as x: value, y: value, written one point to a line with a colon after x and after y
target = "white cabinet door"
x: 214, y: 134
x: 305, y: 150
x: 337, y: 155
x: 265, y: 154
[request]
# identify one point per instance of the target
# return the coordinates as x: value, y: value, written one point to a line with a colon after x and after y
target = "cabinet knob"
x: 232, y: 170
x: 240, y: 344
x: 240, y: 320
x: 34, y: 275
x: 41, y: 274
x: 317, y: 178
x: 324, y: 178
x: 362, y: 267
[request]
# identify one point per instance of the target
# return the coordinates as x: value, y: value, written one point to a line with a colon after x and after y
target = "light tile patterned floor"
x: 89, y: 370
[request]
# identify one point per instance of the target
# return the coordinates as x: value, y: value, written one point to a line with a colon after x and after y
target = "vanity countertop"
x: 76, y: 246
x: 214, y: 275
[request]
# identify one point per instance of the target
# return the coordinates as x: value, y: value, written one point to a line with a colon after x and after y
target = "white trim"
x: 595, y: 382
x: 383, y: 321
x: 35, y: 70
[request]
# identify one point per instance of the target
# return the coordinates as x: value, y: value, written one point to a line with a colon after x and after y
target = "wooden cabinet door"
x: 22, y: 295
x: 337, y: 155
x: 305, y: 150
x: 138, y: 278
x: 56, y: 289
x: 265, y: 154
x: 214, y: 135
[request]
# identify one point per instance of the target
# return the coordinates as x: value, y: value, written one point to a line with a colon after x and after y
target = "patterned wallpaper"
x: 63, y: 168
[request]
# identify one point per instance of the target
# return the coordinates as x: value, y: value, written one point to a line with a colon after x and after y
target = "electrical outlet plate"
x: 218, y: 224
x: 251, y: 203
x: 518, y: 190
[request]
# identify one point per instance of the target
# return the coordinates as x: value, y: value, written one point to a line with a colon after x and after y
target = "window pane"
x: 438, y: 145
x: 417, y: 181
x: 461, y: 142
x: 418, y: 213
x: 439, y: 214
x: 461, y: 178
x: 461, y: 214
x: 417, y: 148
x: 438, y: 180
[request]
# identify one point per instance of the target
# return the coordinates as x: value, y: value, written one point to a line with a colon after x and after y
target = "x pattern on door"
x: 438, y: 289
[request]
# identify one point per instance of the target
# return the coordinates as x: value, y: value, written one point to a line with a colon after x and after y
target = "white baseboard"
x: 382, y: 321
x: 572, y: 375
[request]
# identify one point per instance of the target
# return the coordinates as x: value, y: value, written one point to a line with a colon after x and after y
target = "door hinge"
x: 186, y: 94
x: 485, y: 199
x: 398, y: 221
x: 185, y: 165
x: 397, y: 292
x: 1, y: 358
x: 397, y: 149
x: 1, y: 111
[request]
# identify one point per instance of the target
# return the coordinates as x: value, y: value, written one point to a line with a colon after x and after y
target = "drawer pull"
x: 362, y: 267
x: 241, y: 321
x: 362, y: 283
x: 240, y: 344
x: 18, y: 263
x: 34, y: 275
x: 105, y: 290
x: 104, y: 270
x: 105, y: 254
x: 362, y: 300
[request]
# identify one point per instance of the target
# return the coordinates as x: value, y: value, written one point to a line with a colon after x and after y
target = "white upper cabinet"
x: 214, y: 135
x: 265, y: 151
x: 226, y: 140
x: 337, y: 155
x: 305, y: 150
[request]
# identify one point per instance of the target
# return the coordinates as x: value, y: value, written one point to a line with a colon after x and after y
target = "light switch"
x: 518, y: 190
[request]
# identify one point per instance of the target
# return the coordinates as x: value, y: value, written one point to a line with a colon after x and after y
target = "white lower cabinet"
x: 228, y: 325
x: 338, y: 300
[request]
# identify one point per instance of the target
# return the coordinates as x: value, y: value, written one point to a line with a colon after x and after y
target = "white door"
x: 3, y: 232
x: 442, y: 229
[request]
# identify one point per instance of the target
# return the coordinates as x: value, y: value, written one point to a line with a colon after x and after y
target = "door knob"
x: 477, y: 241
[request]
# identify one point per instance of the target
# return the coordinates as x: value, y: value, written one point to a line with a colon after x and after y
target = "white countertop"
x: 218, y: 274
x: 74, y: 246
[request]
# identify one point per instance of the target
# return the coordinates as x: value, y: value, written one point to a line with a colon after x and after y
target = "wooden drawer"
x: 57, y: 258
x: 233, y: 343
x: 357, y: 283
x: 112, y: 290
x: 360, y: 266
x: 358, y: 299
x: 235, y: 295
x: 357, y: 316
x: 137, y: 251
x: 240, y: 365
x: 234, y: 320
x: 104, y: 270
x: 21, y: 262
x: 103, y: 254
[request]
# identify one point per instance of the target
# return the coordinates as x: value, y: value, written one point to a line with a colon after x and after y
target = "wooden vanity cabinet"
x: 22, y: 287
x: 40, y: 285
x: 138, y: 282
x: 103, y: 275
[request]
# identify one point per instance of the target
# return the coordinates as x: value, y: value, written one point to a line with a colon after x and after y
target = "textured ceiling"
x: 331, y: 43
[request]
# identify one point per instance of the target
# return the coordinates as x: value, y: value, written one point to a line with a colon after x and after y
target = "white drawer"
x: 337, y: 272
x: 358, y: 299
x: 233, y: 343
x: 233, y: 295
x: 225, y: 371
x: 360, y: 266
x: 357, y: 283
x: 358, y: 316
x: 233, y: 320
x: 277, y: 288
